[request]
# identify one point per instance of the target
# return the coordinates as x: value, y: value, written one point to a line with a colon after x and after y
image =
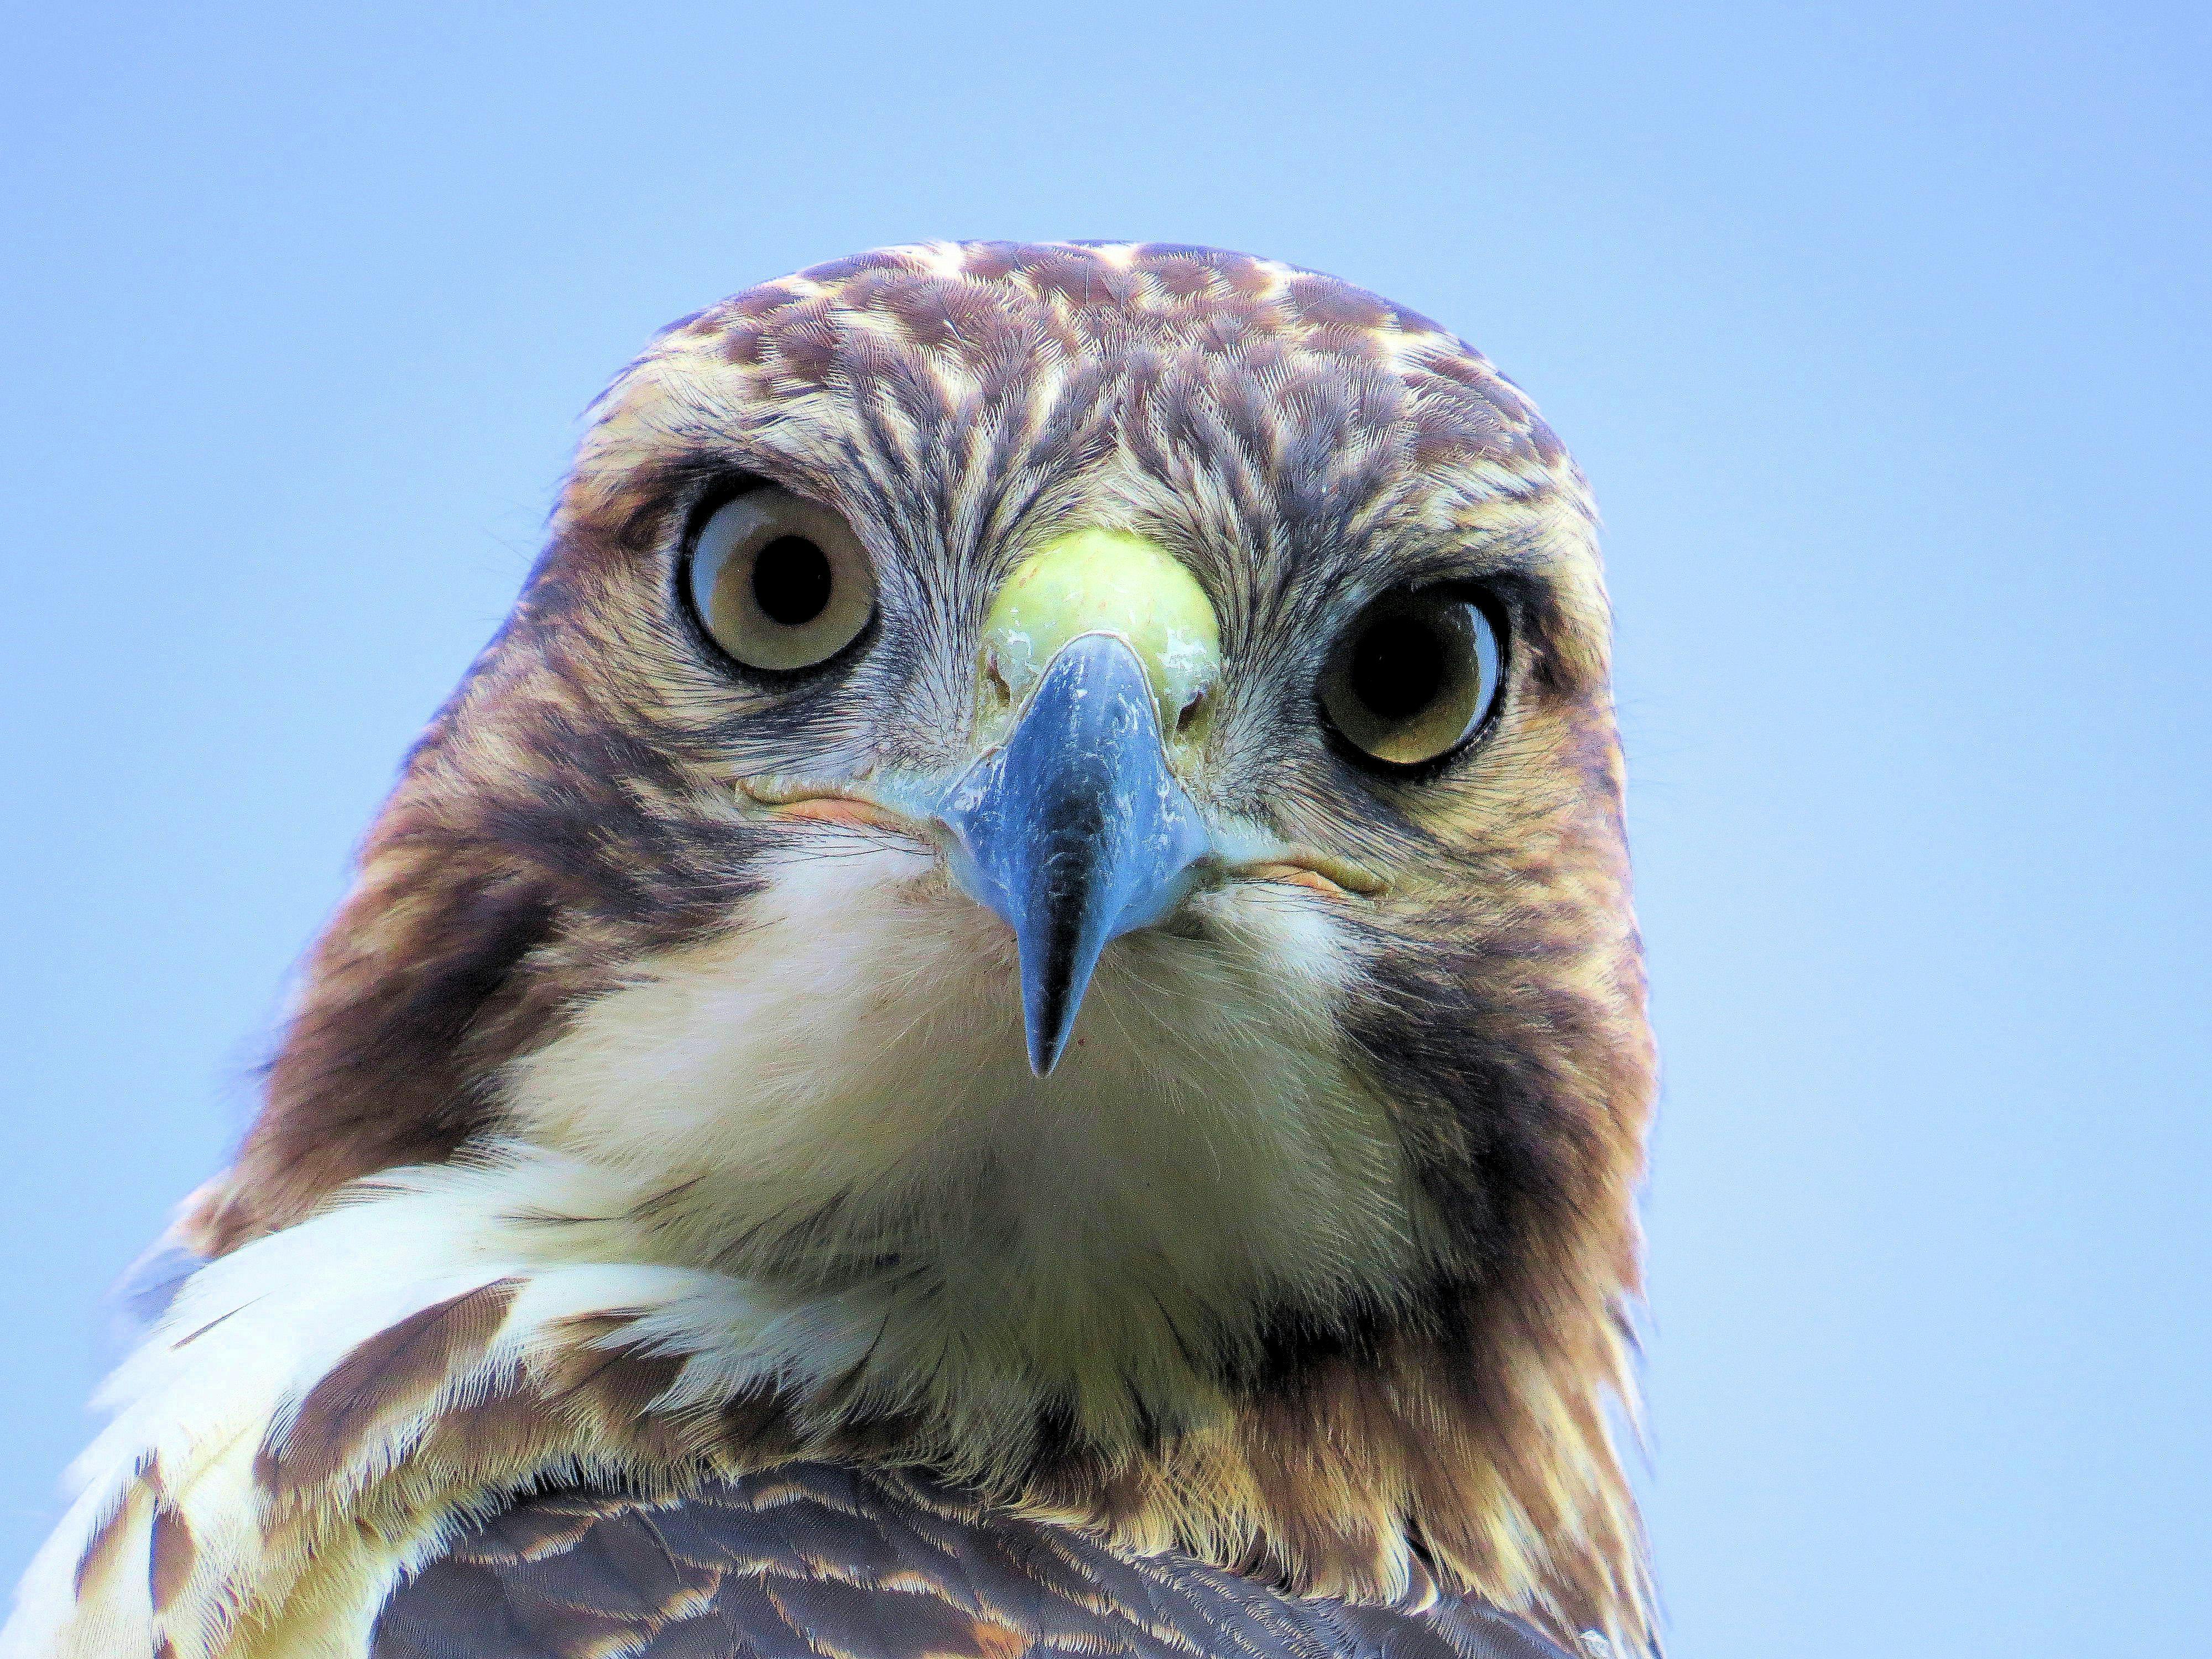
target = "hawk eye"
x: 1413, y: 676
x: 781, y: 583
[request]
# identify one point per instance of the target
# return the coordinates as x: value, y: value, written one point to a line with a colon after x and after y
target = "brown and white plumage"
x: 656, y: 1112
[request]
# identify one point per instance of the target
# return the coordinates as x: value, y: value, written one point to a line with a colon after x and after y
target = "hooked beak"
x: 1074, y: 830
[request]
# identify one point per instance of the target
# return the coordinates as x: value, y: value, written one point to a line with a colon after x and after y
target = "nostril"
x: 995, y: 678
x: 1188, y: 717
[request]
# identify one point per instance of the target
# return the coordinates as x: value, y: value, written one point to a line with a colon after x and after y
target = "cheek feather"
x: 736, y: 1055
x: 839, y: 1083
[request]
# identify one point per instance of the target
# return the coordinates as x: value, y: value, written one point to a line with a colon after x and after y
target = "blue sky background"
x: 1880, y: 329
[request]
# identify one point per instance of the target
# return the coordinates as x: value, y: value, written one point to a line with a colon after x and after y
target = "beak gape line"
x: 1074, y: 830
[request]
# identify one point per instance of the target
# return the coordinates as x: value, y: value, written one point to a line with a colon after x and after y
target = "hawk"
x: 1002, y: 1019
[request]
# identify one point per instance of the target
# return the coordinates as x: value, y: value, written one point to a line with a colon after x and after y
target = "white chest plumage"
x: 806, y: 1156
x: 840, y: 1082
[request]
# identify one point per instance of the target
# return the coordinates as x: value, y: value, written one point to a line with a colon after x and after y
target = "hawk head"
x: 1057, y: 807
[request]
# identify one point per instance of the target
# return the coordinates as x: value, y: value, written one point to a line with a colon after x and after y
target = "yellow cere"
x: 1106, y: 582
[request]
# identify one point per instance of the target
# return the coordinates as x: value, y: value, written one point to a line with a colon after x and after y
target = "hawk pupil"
x: 790, y: 580
x: 1398, y: 667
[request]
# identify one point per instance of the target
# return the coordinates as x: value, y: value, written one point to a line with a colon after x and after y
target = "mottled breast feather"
x: 811, y: 1560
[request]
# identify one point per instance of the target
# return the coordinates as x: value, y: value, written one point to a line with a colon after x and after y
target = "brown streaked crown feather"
x: 1296, y: 440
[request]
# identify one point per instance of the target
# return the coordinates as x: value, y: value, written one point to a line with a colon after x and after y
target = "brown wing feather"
x: 816, y: 1562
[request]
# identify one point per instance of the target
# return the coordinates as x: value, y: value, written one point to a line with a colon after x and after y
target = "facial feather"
x: 835, y: 1093
x: 1314, y: 1250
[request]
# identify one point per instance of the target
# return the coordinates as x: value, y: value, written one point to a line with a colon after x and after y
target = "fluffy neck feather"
x: 321, y: 1408
x: 834, y: 1098
x: 791, y: 1191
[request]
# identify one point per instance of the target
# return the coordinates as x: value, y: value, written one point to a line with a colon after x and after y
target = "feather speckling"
x: 626, y: 1141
